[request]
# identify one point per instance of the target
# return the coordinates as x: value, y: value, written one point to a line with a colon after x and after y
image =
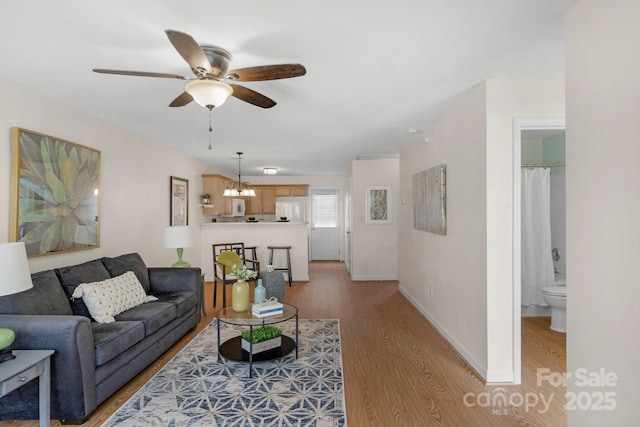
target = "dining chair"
x: 225, y: 257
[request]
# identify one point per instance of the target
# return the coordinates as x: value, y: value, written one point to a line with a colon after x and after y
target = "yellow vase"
x: 240, y: 296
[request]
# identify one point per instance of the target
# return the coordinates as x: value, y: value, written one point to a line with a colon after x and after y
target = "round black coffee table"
x: 232, y: 348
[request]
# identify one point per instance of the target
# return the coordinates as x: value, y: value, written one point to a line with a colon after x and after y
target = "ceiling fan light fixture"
x: 209, y: 93
x: 270, y: 171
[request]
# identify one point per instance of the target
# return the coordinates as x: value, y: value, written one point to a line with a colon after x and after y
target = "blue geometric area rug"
x: 195, y: 389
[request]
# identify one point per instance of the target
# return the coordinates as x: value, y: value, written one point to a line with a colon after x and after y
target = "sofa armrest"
x: 73, y: 382
x: 170, y: 279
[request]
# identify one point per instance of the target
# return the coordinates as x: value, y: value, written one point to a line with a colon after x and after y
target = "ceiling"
x: 375, y: 69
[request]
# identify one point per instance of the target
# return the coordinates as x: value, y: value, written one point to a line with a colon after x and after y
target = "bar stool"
x: 288, y: 268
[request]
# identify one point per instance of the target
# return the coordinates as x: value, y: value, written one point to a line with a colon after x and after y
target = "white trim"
x: 473, y: 362
x: 365, y: 278
x: 500, y: 377
x: 520, y: 124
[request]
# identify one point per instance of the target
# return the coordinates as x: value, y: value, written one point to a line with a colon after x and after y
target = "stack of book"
x: 269, y: 308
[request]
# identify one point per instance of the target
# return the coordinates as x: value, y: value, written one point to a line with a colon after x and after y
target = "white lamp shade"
x: 178, y: 236
x: 231, y: 192
x: 209, y: 92
x: 14, y: 269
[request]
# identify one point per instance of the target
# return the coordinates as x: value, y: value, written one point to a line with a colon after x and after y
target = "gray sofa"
x: 93, y: 360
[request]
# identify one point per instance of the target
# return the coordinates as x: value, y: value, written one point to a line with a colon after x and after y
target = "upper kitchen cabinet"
x: 291, y: 190
x: 263, y: 203
x: 215, y: 186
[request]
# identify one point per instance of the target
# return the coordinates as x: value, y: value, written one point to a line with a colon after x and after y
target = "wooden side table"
x: 28, y: 365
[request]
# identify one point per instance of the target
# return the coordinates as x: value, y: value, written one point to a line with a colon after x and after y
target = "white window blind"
x: 325, y: 210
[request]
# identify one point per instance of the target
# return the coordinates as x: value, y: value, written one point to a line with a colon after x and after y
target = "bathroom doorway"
x: 526, y: 129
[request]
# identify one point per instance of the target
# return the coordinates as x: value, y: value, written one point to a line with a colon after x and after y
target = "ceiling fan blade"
x: 252, y: 97
x: 267, y: 72
x: 183, y: 99
x: 190, y: 50
x: 140, y: 73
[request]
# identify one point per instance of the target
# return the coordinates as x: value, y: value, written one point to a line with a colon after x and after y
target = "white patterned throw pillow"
x: 111, y: 297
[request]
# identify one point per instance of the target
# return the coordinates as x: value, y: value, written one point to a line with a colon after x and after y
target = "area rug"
x: 195, y: 389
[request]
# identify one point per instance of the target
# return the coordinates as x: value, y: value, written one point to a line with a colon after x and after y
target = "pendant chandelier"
x: 241, y: 189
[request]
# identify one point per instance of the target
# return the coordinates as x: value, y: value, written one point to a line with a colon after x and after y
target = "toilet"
x: 556, y: 297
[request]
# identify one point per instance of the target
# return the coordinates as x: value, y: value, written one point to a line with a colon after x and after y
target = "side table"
x: 28, y: 365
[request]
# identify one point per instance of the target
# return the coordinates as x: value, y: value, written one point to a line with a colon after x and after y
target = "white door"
x: 325, y: 224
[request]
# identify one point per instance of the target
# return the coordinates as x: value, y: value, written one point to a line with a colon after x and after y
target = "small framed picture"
x: 179, y: 201
x: 378, y: 204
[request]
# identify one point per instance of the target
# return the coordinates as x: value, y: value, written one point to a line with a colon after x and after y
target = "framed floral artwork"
x: 55, y: 194
x: 378, y: 204
x: 179, y: 201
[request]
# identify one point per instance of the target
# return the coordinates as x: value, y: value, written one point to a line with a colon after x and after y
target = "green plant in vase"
x: 240, y: 289
x: 243, y: 273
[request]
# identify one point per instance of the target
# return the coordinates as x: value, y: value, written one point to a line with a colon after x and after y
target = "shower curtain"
x: 536, y: 264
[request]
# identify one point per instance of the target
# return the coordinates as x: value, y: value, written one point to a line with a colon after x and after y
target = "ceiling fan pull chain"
x: 210, y: 128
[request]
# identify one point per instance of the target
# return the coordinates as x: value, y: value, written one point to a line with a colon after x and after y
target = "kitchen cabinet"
x: 268, y: 200
x: 291, y: 190
x: 215, y: 186
x: 263, y: 203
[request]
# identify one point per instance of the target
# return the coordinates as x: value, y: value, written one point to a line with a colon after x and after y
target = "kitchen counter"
x: 251, y: 223
x: 260, y: 234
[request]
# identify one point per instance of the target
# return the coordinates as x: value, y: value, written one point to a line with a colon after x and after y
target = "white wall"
x: 471, y: 268
x: 374, y: 246
x: 454, y: 265
x: 134, y: 181
x: 603, y: 204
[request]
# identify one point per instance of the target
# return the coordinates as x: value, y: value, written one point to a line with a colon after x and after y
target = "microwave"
x: 237, y: 207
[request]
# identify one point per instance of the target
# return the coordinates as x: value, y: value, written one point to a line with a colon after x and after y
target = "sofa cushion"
x: 154, y: 315
x: 128, y: 262
x: 46, y: 297
x: 184, y: 301
x: 110, y: 297
x: 91, y: 271
x: 111, y: 339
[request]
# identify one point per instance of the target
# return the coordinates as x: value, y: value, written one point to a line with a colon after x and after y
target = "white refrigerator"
x: 294, y: 211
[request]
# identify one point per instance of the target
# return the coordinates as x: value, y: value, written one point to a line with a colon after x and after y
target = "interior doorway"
x: 521, y: 125
x: 325, y: 225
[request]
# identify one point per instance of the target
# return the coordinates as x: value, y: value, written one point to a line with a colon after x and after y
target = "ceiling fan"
x: 210, y: 64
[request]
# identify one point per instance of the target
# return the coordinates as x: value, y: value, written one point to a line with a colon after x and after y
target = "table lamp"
x: 15, y: 277
x: 179, y: 237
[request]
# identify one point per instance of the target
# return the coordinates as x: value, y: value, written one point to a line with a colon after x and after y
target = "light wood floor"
x: 398, y: 370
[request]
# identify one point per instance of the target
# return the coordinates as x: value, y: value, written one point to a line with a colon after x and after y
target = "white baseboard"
x: 366, y: 278
x: 481, y: 370
x: 500, y: 377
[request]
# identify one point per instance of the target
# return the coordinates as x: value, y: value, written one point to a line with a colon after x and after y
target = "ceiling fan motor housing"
x: 218, y: 58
